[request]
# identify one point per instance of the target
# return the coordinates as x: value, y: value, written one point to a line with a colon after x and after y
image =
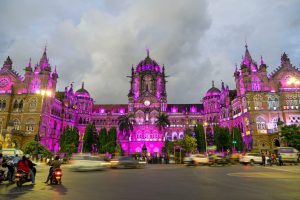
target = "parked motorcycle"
x: 3, y: 176
x: 56, y: 177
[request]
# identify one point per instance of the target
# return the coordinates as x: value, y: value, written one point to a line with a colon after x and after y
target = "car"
x: 288, y: 154
x: 87, y: 163
x: 125, y: 162
x: 218, y: 160
x: 251, y: 158
x: 196, y: 159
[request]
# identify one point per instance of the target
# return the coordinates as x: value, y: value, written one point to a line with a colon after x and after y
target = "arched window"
x: 261, y: 123
x: 257, y: 102
x: 16, y: 124
x: 16, y: 105
x: 255, y: 83
x: 21, y: 105
x: 33, y: 104
x: 30, y: 125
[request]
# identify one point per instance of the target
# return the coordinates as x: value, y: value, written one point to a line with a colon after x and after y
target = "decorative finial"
x: 82, y: 86
x: 261, y: 61
x: 213, y: 83
x: 148, y: 51
x: 55, y: 70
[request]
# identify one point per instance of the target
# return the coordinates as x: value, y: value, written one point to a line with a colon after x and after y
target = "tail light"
x: 18, y: 174
x: 58, y: 173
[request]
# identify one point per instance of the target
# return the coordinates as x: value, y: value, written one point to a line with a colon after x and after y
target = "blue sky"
x: 197, y: 41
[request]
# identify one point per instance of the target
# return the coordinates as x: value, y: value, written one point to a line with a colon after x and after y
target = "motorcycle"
x: 21, y: 177
x: 56, y: 176
x: 3, y: 176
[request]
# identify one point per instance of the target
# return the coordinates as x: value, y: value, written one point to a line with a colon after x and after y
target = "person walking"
x: 263, y: 157
x: 280, y: 160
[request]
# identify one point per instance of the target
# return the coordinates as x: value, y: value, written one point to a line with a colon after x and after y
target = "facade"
x: 255, y: 106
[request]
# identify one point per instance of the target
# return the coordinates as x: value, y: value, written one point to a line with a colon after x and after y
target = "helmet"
x: 27, y: 156
x: 56, y: 158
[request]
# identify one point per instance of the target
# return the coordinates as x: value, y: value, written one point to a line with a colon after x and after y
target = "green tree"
x: 69, y: 140
x: 125, y: 123
x: 89, y: 139
x: 168, y: 147
x: 222, y: 138
x: 237, y: 139
x: 118, y: 149
x: 291, y: 135
x: 112, y: 140
x: 200, y: 137
x: 29, y: 148
x: 162, y: 121
x: 103, y: 138
x: 189, y: 143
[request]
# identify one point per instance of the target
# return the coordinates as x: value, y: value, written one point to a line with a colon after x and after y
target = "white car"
x: 288, y: 154
x: 196, y: 159
x: 88, y: 163
x: 251, y: 158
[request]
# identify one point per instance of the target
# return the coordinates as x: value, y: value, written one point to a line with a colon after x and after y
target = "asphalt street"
x: 165, y: 182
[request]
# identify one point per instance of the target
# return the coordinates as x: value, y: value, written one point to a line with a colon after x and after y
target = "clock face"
x: 147, y: 103
x: 3, y: 82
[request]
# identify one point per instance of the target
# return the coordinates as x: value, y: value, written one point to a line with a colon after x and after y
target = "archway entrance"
x: 276, y: 143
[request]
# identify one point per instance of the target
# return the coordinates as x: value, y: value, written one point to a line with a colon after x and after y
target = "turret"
x: 8, y: 63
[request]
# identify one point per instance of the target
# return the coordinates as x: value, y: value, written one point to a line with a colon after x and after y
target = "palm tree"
x: 162, y: 121
x: 125, y: 123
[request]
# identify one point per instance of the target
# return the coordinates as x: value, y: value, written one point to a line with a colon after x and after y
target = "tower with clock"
x: 146, y: 99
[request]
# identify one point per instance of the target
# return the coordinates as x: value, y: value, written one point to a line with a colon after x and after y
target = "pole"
x: 38, y: 132
x: 205, y: 140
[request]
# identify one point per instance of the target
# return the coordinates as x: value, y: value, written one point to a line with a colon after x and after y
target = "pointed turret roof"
x: 247, y: 59
x: 8, y: 63
x: 44, y: 61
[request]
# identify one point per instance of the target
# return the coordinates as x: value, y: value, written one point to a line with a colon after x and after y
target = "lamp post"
x: 42, y: 93
x: 205, y: 125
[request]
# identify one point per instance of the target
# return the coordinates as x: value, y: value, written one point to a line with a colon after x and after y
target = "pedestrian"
x: 263, y: 157
x: 270, y: 159
x: 280, y: 160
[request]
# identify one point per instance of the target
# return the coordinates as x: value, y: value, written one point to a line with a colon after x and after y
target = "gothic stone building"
x: 255, y: 106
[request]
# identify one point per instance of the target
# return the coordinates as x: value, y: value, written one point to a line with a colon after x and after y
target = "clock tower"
x: 147, y: 97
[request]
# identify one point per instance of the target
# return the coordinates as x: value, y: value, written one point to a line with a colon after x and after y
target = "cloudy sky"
x: 197, y: 41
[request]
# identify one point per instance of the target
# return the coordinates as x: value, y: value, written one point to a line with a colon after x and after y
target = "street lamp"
x: 42, y: 93
x: 205, y: 125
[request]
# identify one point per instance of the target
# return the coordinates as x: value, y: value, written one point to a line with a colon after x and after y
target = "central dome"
x: 82, y: 92
x: 213, y: 90
x: 147, y: 64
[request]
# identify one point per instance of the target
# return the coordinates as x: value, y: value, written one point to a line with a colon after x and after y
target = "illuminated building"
x: 255, y: 106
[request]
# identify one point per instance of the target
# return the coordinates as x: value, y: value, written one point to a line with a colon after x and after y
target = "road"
x: 166, y: 182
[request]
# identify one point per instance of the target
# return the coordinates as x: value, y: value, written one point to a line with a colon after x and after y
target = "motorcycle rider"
x: 55, y: 164
x: 11, y: 169
x: 32, y: 169
x: 24, y: 165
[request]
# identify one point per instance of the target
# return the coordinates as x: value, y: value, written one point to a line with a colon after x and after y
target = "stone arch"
x: 174, y: 135
x: 276, y: 142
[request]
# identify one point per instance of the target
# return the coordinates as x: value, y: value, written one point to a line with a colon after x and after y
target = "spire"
x: 213, y: 83
x: 261, y: 61
x: 223, y: 87
x: 148, y: 52
x: 44, y: 61
x: 247, y: 58
x: 29, y: 64
x: 82, y: 85
x: 285, y: 59
x: 8, y: 63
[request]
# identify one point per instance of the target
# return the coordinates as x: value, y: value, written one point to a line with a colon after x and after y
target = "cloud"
x: 97, y: 42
